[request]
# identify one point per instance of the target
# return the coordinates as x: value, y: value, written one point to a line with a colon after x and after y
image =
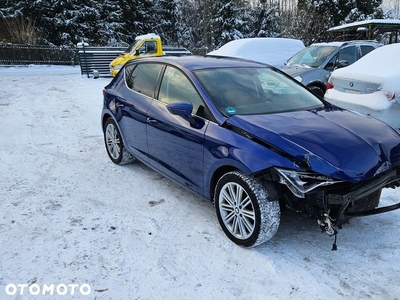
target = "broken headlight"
x: 300, y: 183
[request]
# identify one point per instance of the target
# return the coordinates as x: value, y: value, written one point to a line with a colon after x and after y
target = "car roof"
x: 194, y: 62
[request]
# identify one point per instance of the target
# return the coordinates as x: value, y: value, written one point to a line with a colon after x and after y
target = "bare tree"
x: 392, y: 7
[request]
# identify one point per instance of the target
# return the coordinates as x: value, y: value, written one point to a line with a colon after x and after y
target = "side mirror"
x: 137, y: 52
x: 342, y: 64
x: 184, y: 110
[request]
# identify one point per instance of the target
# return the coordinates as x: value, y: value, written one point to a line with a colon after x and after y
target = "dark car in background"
x: 251, y: 139
x: 313, y: 65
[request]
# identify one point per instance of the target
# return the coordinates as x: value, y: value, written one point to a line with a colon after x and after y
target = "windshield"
x: 246, y: 91
x: 312, y: 56
x: 132, y: 46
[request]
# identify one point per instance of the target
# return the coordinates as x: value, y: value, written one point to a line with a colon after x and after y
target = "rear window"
x: 366, y: 49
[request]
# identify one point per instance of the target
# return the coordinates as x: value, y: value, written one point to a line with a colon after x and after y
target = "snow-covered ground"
x: 69, y: 216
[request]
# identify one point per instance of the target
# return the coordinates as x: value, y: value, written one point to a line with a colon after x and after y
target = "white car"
x: 370, y: 86
x: 272, y: 51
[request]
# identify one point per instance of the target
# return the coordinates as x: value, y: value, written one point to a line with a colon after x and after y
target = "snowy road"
x: 69, y: 216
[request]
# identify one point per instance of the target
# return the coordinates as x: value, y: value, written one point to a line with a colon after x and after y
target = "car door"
x: 348, y: 54
x: 175, y: 145
x: 140, y: 82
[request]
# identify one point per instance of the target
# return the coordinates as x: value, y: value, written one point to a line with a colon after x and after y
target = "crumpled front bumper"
x: 358, y: 192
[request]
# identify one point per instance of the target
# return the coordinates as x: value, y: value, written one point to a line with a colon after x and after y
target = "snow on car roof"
x: 273, y: 51
x: 381, y: 64
x: 145, y: 36
x: 337, y: 44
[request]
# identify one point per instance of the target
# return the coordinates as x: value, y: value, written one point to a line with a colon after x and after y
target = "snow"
x: 381, y: 65
x: 273, y: 51
x: 68, y: 215
x: 365, y: 22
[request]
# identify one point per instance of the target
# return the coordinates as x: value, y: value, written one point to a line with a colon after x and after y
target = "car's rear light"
x: 104, y: 92
x: 329, y: 86
x: 391, y: 96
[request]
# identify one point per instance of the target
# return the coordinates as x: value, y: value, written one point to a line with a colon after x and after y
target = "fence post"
x: 83, y: 44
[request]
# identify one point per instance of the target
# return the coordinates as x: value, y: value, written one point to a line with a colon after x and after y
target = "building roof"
x: 369, y: 29
x: 382, y: 25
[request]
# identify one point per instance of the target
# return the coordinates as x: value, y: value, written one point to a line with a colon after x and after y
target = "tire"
x: 244, y: 211
x: 114, y: 145
x: 316, y: 91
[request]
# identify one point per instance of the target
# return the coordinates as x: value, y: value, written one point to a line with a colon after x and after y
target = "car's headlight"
x: 300, y: 183
x: 298, y: 78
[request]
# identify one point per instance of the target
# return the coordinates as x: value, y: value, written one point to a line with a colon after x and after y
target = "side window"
x: 143, y: 78
x: 366, y: 49
x: 348, y: 54
x: 149, y: 47
x: 176, y: 87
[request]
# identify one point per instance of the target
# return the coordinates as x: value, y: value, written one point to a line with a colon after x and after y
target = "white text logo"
x: 36, y: 289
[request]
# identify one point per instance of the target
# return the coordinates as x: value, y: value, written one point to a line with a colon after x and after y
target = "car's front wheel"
x: 317, y: 91
x: 245, y: 212
x: 114, y: 145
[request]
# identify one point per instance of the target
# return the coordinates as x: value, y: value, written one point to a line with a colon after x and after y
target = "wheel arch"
x: 104, y: 119
x: 218, y: 173
x: 317, y: 84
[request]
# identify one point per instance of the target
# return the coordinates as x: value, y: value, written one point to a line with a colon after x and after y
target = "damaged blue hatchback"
x: 250, y: 139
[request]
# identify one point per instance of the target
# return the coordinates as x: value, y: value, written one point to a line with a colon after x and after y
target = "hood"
x: 121, y: 59
x: 295, y: 70
x: 331, y: 141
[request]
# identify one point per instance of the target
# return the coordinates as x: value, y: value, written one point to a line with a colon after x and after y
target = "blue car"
x: 250, y: 139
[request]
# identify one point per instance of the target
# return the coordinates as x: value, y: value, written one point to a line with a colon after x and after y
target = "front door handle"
x: 152, y: 121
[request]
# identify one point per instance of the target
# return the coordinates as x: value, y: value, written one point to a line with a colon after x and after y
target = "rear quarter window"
x: 366, y: 49
x: 143, y: 78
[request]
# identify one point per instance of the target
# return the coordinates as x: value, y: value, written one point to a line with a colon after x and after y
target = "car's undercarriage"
x: 331, y: 202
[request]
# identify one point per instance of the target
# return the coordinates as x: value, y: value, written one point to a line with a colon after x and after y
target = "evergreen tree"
x: 111, y: 24
x: 138, y: 16
x: 226, y: 23
x: 363, y: 10
x: 187, y: 25
x: 265, y: 21
x: 167, y: 26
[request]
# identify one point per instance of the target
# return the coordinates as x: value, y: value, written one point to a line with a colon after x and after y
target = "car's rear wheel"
x: 114, y: 145
x: 245, y: 212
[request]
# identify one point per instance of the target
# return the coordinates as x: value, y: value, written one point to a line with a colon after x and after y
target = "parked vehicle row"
x: 313, y: 65
x: 251, y: 139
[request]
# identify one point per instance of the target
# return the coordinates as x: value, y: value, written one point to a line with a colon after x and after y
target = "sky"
x: 71, y: 218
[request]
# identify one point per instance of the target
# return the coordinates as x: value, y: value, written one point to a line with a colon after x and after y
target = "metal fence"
x: 96, y: 60
x: 92, y: 60
x: 11, y: 54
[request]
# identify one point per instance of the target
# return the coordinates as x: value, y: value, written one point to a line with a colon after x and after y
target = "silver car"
x: 313, y: 65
